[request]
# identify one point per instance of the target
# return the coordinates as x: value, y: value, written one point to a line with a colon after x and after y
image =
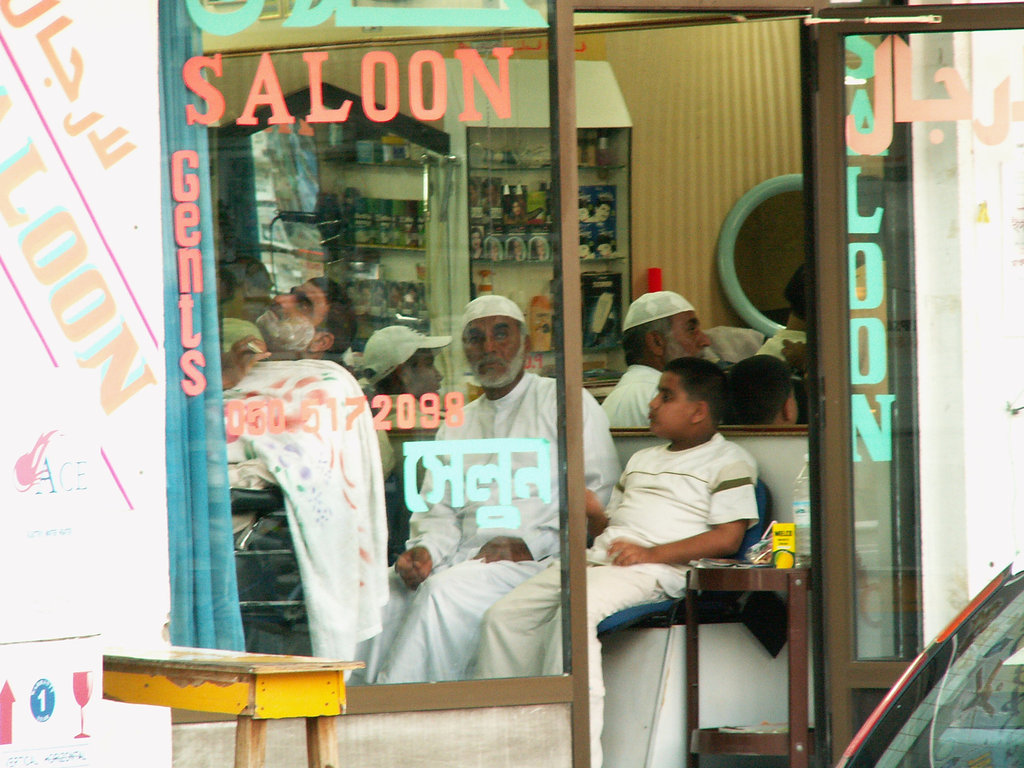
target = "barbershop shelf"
x: 257, y: 604
x: 402, y: 250
x: 244, y: 553
x: 514, y: 262
x: 545, y: 263
x: 546, y: 167
x: 341, y: 161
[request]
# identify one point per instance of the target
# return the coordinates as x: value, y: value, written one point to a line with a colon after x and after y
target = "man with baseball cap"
x: 398, y: 361
x: 659, y: 327
x: 457, y: 563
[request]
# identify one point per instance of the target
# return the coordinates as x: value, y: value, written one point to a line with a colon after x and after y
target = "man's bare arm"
x: 597, y: 520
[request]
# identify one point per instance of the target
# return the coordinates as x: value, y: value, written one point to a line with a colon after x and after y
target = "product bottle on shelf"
x: 802, y: 515
x: 485, y: 286
x: 603, y: 155
x: 539, y: 318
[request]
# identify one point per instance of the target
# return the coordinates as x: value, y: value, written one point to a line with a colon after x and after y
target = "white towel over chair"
x: 297, y: 419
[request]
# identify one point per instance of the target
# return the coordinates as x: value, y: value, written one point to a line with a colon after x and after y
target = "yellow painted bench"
x: 252, y: 686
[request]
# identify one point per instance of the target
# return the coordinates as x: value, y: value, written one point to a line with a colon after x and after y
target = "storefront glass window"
x: 382, y: 219
x: 933, y: 176
x: 880, y: 210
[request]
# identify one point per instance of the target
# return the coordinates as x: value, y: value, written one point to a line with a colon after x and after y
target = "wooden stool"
x: 252, y: 686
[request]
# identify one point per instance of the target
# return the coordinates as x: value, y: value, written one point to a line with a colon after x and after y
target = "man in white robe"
x: 462, y: 557
x: 659, y: 327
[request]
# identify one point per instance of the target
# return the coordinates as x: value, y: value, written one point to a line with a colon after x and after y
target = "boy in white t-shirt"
x: 674, y: 503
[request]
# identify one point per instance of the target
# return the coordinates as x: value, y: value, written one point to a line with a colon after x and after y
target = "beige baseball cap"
x: 654, y: 306
x: 389, y: 347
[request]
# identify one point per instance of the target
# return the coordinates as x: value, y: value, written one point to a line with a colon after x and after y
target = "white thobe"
x: 430, y: 633
x: 627, y: 404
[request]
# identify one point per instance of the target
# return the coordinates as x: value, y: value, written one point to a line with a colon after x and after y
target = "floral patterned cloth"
x: 307, y: 421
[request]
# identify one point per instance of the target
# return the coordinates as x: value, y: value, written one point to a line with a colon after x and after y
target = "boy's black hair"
x: 758, y: 389
x: 702, y: 380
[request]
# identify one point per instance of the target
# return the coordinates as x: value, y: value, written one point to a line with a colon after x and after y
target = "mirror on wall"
x: 760, y: 247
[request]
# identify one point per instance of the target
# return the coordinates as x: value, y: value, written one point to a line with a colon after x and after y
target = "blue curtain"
x: 204, y: 592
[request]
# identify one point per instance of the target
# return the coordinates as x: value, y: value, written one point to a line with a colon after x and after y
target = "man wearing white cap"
x: 398, y: 360
x: 659, y: 327
x: 454, y: 568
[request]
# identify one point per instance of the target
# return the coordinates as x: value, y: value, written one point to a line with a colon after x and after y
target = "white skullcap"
x: 389, y: 347
x: 654, y: 306
x: 491, y: 305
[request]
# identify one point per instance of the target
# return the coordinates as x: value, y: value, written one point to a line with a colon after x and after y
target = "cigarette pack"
x: 783, y: 545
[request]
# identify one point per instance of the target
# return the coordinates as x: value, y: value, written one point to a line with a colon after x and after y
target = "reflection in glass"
x: 658, y: 327
x: 487, y: 516
x: 882, y: 377
x: 376, y: 415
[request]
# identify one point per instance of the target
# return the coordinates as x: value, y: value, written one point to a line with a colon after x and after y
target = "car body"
x: 960, y: 704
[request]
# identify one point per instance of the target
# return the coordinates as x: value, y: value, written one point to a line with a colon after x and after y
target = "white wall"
x: 85, y: 545
x: 970, y: 327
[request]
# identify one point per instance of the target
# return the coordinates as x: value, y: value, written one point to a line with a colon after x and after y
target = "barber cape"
x: 328, y: 467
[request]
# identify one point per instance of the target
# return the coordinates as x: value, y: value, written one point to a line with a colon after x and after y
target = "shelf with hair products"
x: 350, y: 201
x: 382, y: 181
x: 509, y: 221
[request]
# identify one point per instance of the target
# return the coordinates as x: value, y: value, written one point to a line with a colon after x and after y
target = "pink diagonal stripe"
x: 78, y: 189
x: 117, y: 480
x: 28, y: 313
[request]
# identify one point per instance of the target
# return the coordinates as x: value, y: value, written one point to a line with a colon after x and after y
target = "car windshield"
x: 964, y: 707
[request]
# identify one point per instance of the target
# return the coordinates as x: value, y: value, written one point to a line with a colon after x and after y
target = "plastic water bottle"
x: 802, y: 515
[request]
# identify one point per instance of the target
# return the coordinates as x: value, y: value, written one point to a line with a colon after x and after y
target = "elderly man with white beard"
x: 453, y: 569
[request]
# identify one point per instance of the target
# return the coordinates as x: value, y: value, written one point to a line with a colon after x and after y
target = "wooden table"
x: 254, y: 687
x: 796, y: 743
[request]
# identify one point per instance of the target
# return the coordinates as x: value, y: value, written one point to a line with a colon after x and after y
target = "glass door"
x: 919, y: 186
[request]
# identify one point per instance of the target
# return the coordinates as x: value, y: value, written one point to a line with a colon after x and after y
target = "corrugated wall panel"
x: 716, y: 110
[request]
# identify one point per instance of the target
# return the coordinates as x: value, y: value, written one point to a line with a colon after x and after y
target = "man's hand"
x: 242, y: 356
x: 414, y: 565
x: 504, y: 548
x: 624, y: 552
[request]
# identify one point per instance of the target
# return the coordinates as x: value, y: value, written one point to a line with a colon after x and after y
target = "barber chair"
x: 274, y: 616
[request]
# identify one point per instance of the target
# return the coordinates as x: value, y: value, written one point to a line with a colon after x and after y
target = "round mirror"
x: 760, y: 246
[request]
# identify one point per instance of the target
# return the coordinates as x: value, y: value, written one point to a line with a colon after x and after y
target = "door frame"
x: 845, y: 674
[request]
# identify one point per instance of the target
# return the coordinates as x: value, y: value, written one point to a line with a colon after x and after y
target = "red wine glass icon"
x: 82, y: 686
